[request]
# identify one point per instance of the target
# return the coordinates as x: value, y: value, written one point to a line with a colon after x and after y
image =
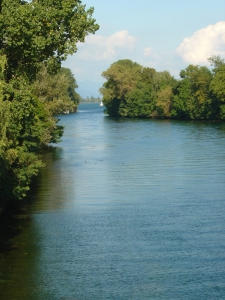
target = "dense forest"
x: 132, y: 90
x: 35, y: 37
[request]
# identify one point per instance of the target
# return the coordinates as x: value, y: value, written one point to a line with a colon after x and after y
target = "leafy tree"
x: 26, y: 127
x: 147, y: 75
x: 30, y: 125
x: 164, y: 102
x: 216, y: 61
x: 135, y: 91
x: 162, y: 84
x: 218, y: 88
x: 181, y: 97
x: 162, y: 80
x: 138, y: 102
x: 57, y: 92
x: 217, y: 85
x: 194, y: 92
x: 122, y: 77
x: 33, y: 33
x: 131, y: 90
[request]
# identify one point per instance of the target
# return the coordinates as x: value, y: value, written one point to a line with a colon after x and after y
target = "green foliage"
x: 27, y: 127
x: 122, y: 77
x: 147, y: 75
x: 199, y: 101
x: 217, y: 85
x: 57, y: 92
x: 182, y: 96
x: 216, y: 61
x: 162, y: 84
x: 164, y: 102
x: 35, y: 37
x: 134, y: 91
x: 139, y: 103
x: 193, y: 97
x: 33, y: 32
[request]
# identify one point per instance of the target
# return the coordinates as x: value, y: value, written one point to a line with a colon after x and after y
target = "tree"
x: 181, y: 97
x: 192, y: 95
x: 122, y: 77
x: 17, y: 119
x: 163, y: 84
x: 216, y: 61
x: 138, y: 102
x: 218, y: 89
x: 131, y: 90
x: 135, y: 91
x: 33, y: 33
x: 217, y: 85
x: 57, y: 92
x: 147, y: 75
x: 164, y: 102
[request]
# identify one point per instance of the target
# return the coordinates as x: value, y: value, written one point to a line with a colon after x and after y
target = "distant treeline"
x: 132, y: 90
x: 90, y: 99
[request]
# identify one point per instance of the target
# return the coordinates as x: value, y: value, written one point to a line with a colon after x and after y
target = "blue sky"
x: 162, y: 34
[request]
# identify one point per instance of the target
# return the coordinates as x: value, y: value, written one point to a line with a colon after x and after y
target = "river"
x: 125, y: 209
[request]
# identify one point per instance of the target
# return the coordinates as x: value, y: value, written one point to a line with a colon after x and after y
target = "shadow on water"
x: 16, y: 216
x: 14, y: 249
x: 12, y: 222
x: 18, y: 240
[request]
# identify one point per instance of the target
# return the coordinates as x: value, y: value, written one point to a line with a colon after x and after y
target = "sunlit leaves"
x: 135, y: 91
x: 33, y: 34
x: 218, y: 83
x: 56, y: 92
x: 122, y: 77
x: 144, y: 92
x: 42, y: 31
x: 198, y: 97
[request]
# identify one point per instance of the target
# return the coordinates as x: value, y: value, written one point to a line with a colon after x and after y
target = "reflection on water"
x: 50, y: 183
x: 125, y: 209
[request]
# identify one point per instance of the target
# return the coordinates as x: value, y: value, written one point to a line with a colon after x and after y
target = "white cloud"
x: 97, y: 47
x: 148, y: 51
x: 203, y: 44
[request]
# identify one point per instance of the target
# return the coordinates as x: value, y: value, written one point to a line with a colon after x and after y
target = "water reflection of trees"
x: 47, y: 191
x: 18, y: 252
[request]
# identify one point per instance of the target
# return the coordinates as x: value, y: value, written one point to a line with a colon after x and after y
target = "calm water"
x: 125, y: 209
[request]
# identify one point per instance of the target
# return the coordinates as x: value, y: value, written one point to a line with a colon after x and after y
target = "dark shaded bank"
x: 12, y: 221
x: 11, y: 207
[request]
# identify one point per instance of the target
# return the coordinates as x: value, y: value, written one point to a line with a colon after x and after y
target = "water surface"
x: 125, y: 209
